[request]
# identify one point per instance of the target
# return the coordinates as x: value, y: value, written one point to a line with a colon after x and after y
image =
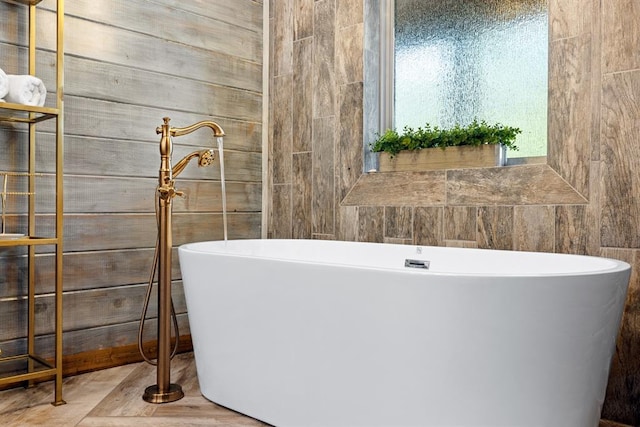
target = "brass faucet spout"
x: 217, y: 130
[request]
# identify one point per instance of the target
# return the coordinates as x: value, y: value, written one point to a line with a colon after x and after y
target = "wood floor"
x: 113, y: 398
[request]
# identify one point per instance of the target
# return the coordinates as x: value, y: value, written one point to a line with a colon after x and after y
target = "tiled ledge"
x: 512, y: 185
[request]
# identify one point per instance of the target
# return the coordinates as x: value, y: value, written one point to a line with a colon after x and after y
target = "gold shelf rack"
x: 30, y: 367
x: 25, y: 2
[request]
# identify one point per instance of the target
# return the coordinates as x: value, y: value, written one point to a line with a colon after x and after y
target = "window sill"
x: 522, y: 184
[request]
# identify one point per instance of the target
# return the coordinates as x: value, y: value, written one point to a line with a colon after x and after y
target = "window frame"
x: 379, y: 80
x: 379, y: 41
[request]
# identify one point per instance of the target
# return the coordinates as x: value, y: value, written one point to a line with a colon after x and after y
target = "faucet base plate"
x: 152, y: 394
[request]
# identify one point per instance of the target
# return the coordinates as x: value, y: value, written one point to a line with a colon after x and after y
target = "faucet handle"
x: 168, y: 192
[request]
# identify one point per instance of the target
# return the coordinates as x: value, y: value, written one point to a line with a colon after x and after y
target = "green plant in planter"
x: 476, y: 133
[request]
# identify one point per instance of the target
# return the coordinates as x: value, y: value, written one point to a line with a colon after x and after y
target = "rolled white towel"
x: 4, y: 84
x: 26, y: 90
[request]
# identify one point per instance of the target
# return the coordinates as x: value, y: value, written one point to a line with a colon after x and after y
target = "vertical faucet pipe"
x: 163, y: 391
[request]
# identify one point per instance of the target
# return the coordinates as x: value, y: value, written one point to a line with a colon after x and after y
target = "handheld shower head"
x: 206, y: 157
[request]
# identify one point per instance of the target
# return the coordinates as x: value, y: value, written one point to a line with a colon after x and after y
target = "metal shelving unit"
x: 29, y: 367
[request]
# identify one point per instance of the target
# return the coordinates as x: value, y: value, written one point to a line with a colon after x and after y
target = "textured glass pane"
x: 456, y: 60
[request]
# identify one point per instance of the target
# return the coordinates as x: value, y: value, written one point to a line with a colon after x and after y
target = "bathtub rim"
x: 616, y: 265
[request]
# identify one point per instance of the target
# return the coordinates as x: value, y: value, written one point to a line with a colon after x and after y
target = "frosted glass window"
x: 456, y: 60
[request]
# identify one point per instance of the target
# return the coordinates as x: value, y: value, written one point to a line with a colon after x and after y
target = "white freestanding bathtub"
x: 326, y: 333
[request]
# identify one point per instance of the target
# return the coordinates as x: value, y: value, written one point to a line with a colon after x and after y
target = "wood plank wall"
x: 584, y: 200
x: 128, y: 64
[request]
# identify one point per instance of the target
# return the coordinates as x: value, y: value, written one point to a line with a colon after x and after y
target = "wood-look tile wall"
x: 585, y: 200
x: 128, y: 64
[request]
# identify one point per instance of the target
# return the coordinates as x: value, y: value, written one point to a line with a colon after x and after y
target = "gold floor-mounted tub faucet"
x: 163, y: 391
